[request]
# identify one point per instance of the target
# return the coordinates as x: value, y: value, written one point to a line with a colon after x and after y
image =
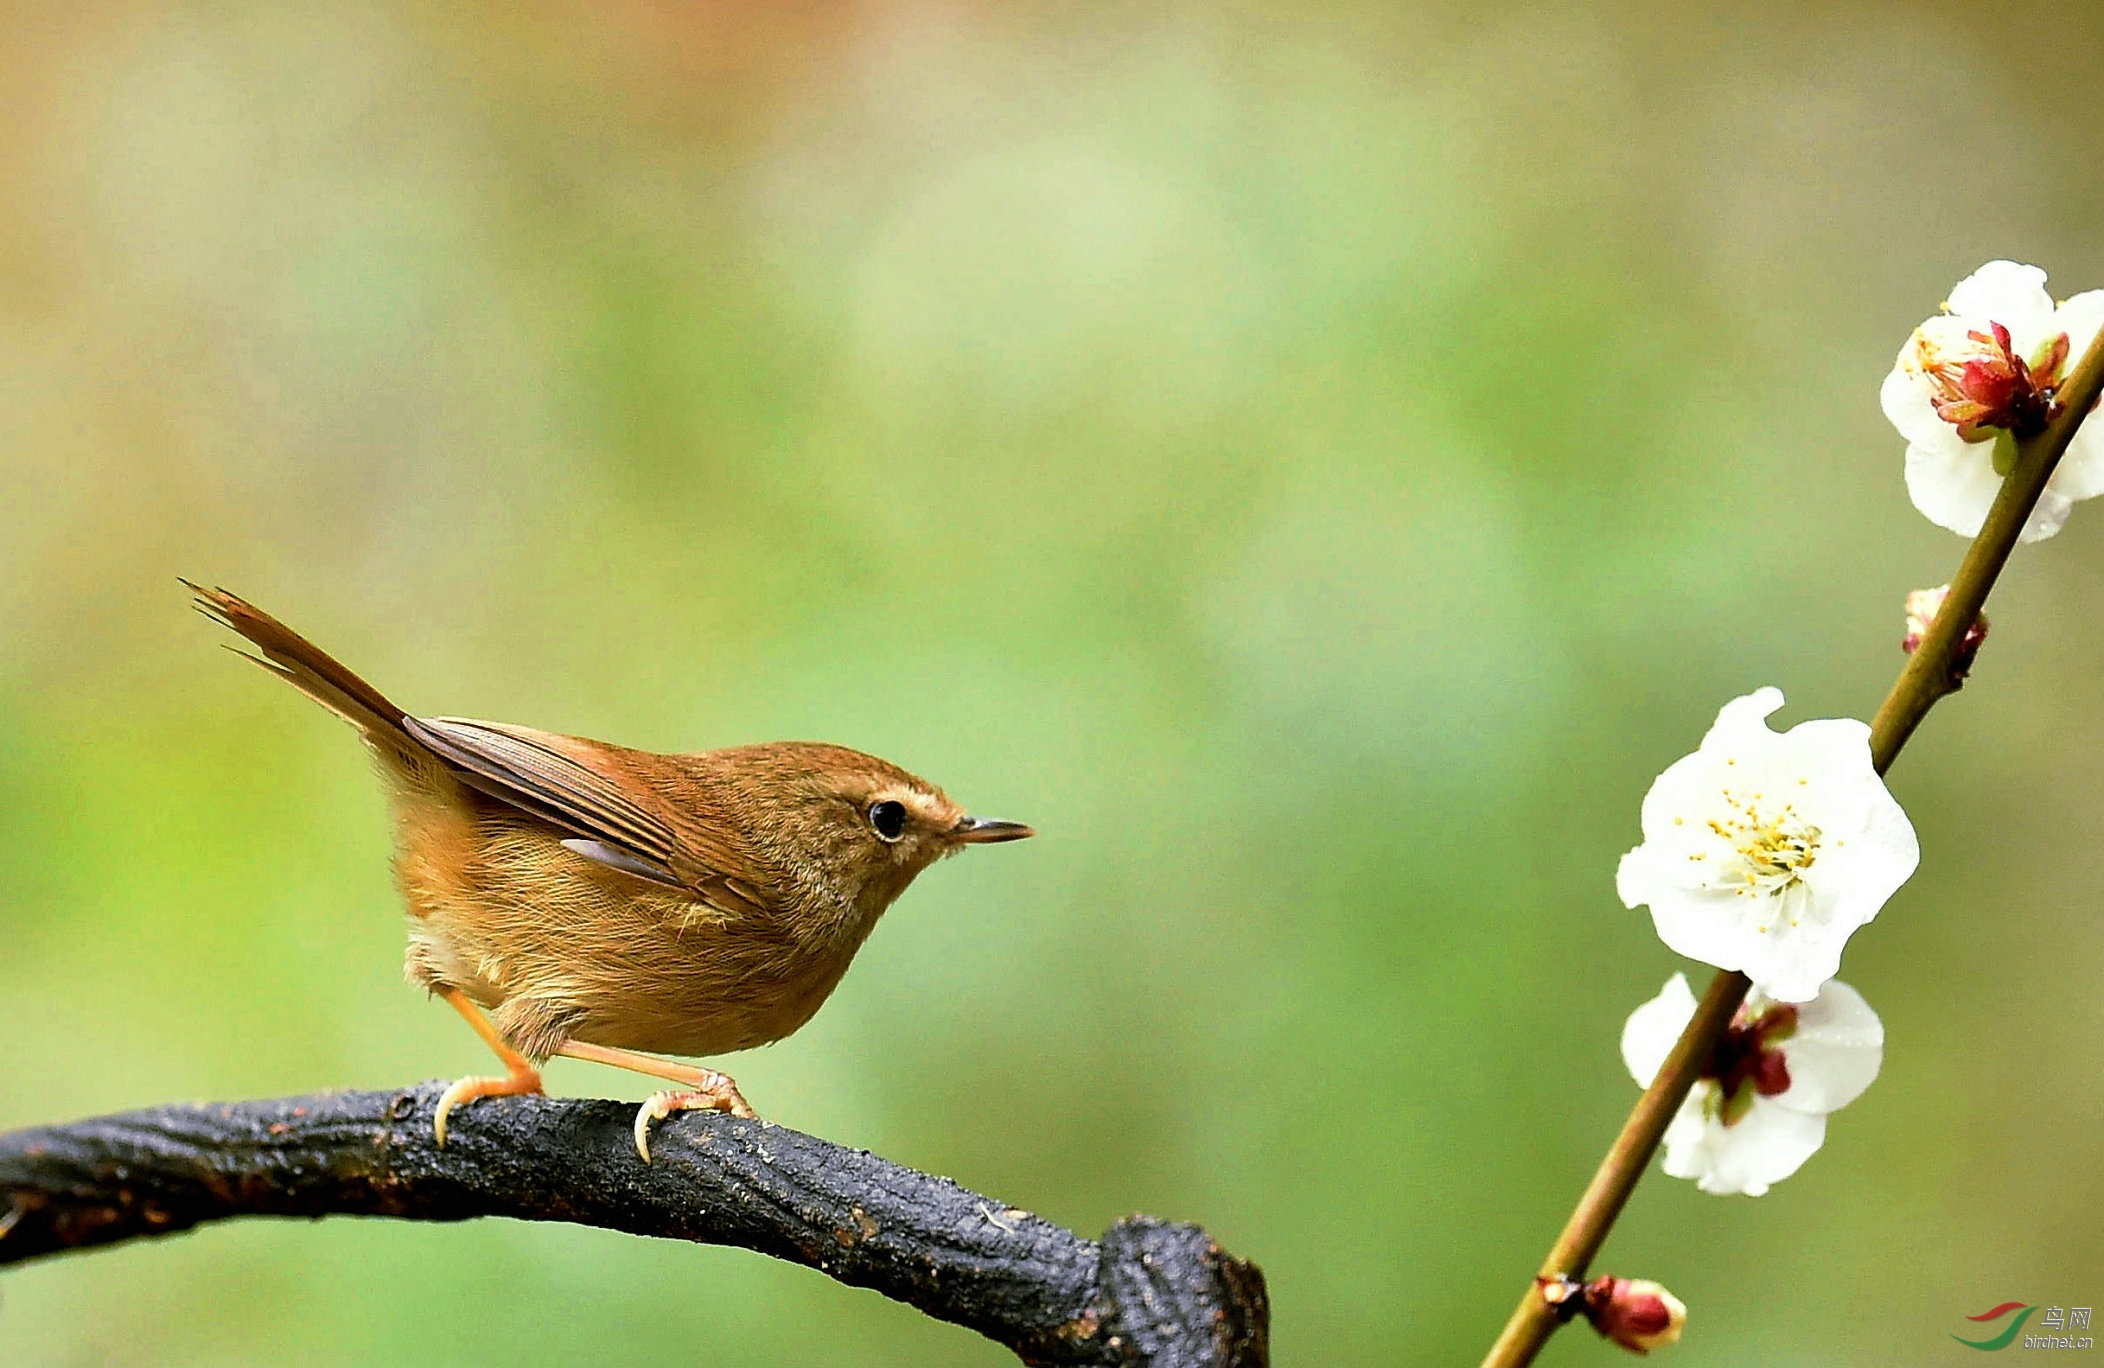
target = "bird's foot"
x: 712, y: 1092
x: 519, y: 1082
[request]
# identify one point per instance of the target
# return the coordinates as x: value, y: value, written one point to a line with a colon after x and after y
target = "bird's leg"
x: 706, y: 1089
x: 521, y: 1077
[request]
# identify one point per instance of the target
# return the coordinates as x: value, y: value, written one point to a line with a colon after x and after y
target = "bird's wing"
x: 585, y: 788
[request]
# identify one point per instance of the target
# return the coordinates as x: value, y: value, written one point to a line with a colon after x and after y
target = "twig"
x: 1930, y: 673
x: 1149, y: 1293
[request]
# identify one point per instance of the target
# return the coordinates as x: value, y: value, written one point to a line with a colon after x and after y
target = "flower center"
x: 1985, y: 384
x: 1774, y: 848
x: 1747, y: 1063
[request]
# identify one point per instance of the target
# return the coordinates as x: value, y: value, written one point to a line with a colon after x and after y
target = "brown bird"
x: 599, y: 901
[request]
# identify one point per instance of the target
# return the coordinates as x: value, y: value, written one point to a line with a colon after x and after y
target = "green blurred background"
x: 1315, y: 464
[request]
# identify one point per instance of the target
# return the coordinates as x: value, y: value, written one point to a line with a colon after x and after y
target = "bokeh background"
x: 1315, y: 462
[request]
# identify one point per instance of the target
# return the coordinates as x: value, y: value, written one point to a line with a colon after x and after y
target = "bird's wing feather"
x: 613, y: 857
x: 586, y: 789
x: 526, y: 765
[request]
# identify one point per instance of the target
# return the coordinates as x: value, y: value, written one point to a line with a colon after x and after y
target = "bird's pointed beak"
x: 987, y: 831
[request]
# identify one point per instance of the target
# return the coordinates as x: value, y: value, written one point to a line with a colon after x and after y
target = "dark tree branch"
x: 1149, y: 1293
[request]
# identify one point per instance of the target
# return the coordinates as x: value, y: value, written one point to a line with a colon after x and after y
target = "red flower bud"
x: 1635, y: 1313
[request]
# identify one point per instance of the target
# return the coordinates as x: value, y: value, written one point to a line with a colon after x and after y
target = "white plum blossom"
x: 1764, y: 851
x: 1760, y: 1108
x: 1983, y: 373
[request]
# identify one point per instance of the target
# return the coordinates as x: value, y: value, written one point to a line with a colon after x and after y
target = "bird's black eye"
x: 888, y: 818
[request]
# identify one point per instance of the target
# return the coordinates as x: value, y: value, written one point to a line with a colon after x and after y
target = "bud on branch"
x: 1922, y: 607
x: 1636, y: 1313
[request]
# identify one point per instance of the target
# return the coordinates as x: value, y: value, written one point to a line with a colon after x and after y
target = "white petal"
x: 1832, y: 754
x: 2079, y: 318
x: 1767, y: 1145
x: 1677, y: 839
x: 1677, y: 791
x: 2080, y: 474
x: 2012, y: 295
x: 1865, y: 831
x: 1686, y: 1133
x: 1713, y: 927
x: 1742, y: 718
x: 1789, y: 964
x: 2048, y: 516
x: 1905, y: 398
x: 1888, y: 837
x: 1637, y: 877
x: 1953, y: 482
x: 1634, y: 878
x: 1654, y: 1028
x: 1835, y: 1054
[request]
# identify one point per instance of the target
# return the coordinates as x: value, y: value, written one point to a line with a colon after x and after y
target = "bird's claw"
x: 466, y: 1090
x: 716, y: 1093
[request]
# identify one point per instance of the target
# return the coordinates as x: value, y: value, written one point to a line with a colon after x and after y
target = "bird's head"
x: 854, y: 827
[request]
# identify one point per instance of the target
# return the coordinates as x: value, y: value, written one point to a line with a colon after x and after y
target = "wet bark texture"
x: 1148, y: 1293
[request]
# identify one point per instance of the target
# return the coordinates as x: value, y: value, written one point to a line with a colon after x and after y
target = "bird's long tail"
x: 308, y: 668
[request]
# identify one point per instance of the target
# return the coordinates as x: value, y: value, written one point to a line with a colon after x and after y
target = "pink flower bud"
x: 1922, y: 607
x: 1635, y: 1313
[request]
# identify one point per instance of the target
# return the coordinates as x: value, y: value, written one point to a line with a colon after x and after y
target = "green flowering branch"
x: 1933, y: 670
